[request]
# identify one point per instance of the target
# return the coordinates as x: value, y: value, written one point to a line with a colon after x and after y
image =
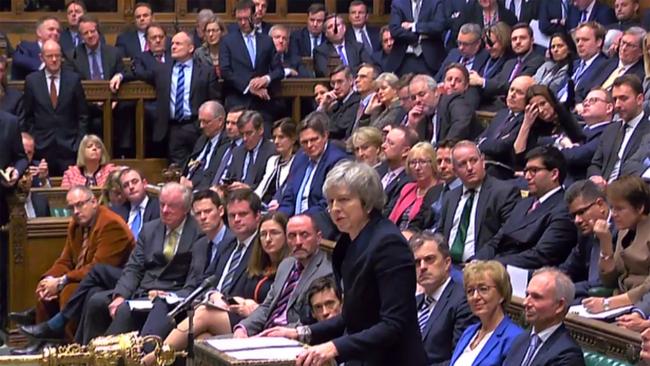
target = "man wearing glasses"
x: 469, y: 51
x: 629, y: 60
x: 539, y: 231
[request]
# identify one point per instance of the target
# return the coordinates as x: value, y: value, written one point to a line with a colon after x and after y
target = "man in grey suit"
x: 169, y: 254
x: 285, y: 304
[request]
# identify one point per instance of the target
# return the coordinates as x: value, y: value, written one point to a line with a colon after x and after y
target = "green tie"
x: 458, y: 247
x: 170, y: 245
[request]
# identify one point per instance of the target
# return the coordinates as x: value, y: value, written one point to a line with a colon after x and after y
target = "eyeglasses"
x: 628, y: 44
x: 414, y: 163
x: 581, y: 211
x: 533, y: 170
x: 483, y: 290
x: 593, y: 100
x: 79, y: 205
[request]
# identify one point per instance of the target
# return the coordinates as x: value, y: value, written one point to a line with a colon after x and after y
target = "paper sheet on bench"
x: 581, y: 311
x: 146, y: 304
x: 258, y: 348
x: 518, y: 280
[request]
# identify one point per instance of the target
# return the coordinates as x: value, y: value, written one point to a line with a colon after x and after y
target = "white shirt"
x: 470, y: 242
x: 626, y: 140
x: 134, y: 210
x: 548, y: 194
x: 518, y: 4
x: 469, y: 355
x: 142, y: 38
x: 57, y: 81
x: 358, y: 34
x: 437, y: 294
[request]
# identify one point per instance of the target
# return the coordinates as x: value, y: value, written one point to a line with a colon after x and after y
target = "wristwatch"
x: 62, y: 282
x: 605, y: 304
x: 304, y: 334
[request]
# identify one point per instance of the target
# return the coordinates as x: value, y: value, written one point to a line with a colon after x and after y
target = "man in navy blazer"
x: 549, y: 295
x: 70, y: 37
x: 589, y: 11
x: 26, y: 59
x: 628, y: 62
x: 359, y: 29
x: 469, y: 51
x: 303, y: 192
x: 138, y: 202
x: 133, y: 42
x: 552, y: 17
x: 589, y: 41
x: 397, y: 144
x: 418, y: 44
x: 337, y: 48
x: 303, y: 41
x: 443, y: 312
x: 539, y: 231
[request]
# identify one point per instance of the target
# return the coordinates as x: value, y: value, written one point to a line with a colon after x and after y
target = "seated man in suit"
x: 627, y: 15
x: 341, y: 103
x: 397, y: 144
x: 232, y: 132
x: 95, y: 235
x: 497, y: 140
x: 359, y: 29
x: 257, y: 19
x: 425, y: 96
x: 169, y: 254
x: 249, y: 159
x: 133, y: 42
x: 37, y: 168
x: 589, y: 39
x: 621, y: 139
x: 443, y: 313
x: 539, y: 231
x: 306, y: 39
x: 70, y: 37
x: 291, y: 63
x: 201, y: 167
x: 336, y: 50
x: 26, y: 58
x: 56, y: 112
x: 467, y: 220
x: 469, y: 52
x: 525, y: 62
x: 587, y: 204
x: 325, y: 298
x: 548, y: 297
x: 303, y: 192
x: 366, y: 86
x: 286, y: 304
x: 629, y: 60
x: 139, y: 208
x: 589, y: 11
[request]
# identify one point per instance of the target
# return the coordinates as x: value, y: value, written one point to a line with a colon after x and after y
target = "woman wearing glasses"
x: 487, y: 343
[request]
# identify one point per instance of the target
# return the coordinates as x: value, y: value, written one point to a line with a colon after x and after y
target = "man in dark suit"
x: 291, y: 63
x: 627, y: 15
x: 26, y: 58
x: 628, y: 62
x: 232, y: 132
x: 418, y: 33
x: 303, y: 41
x: 379, y: 58
x: 251, y: 77
x: 249, y: 159
x: 336, y: 50
x: 169, y: 254
x: 286, y: 305
x: 443, y: 313
x: 70, y: 37
x: 473, y: 213
x: 549, y: 295
x: 303, y: 192
x: 133, y: 42
x: 477, y: 13
x: 359, y: 29
x: 469, y: 51
x: 201, y: 167
x: 180, y: 91
x: 587, y: 204
x: 56, y: 112
x: 396, y: 146
x: 258, y: 23
x: 589, y: 11
x: 37, y: 168
x: 455, y: 13
x: 589, y: 41
x: 539, y: 231
x: 622, y: 138
x: 524, y: 10
x: 139, y: 207
x: 11, y: 99
x: 342, y: 103
x: 553, y: 16
x: 497, y: 140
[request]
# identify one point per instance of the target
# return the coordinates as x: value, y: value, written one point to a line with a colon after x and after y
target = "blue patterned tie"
x: 424, y: 313
x: 180, y: 93
x: 339, y: 50
x: 301, y: 191
x: 136, y: 225
x: 250, y: 44
x: 283, y: 300
x: 532, y: 348
x: 234, y: 263
x: 95, y: 72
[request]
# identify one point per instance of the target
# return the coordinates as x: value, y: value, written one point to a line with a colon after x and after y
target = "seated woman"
x: 555, y: 72
x: 208, y: 53
x: 487, y: 343
x: 384, y: 108
x: 218, y: 317
x: 285, y: 139
x: 627, y: 267
x: 92, y: 167
x: 366, y: 142
x: 112, y: 194
x: 320, y: 89
x: 545, y: 121
x: 421, y: 166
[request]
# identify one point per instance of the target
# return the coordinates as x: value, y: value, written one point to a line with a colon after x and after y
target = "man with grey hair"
x: 350, y: 53
x: 469, y: 52
x: 291, y: 63
x: 629, y: 60
x: 201, y: 166
x: 423, y: 90
x: 202, y: 18
x: 548, y: 297
x: 153, y: 270
x: 443, y: 312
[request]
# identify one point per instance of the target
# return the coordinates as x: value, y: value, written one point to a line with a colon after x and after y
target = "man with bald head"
x: 181, y: 88
x: 497, y: 140
x: 26, y: 57
x: 56, y: 112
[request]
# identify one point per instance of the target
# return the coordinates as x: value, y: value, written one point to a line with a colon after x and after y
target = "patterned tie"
x: 339, y: 50
x: 387, y: 179
x: 517, y: 69
x: 301, y: 191
x: 205, y: 156
x: 146, y: 44
x: 159, y: 57
x: 136, y: 224
x: 458, y: 247
x: 424, y: 313
x: 222, y: 171
x: 180, y: 93
x: 85, y: 242
x: 250, y: 44
x: 170, y: 245
x: 283, y: 301
x: 234, y: 264
x: 610, y: 80
x: 96, y: 73
x: 535, y: 341
x: 54, y: 98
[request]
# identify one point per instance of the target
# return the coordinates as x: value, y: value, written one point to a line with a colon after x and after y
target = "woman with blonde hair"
x: 365, y: 143
x: 384, y: 108
x: 93, y: 167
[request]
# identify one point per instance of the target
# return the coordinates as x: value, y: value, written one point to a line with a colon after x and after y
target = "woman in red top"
x: 92, y: 167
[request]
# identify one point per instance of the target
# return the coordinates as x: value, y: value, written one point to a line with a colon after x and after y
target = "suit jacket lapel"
x: 305, y: 278
x: 492, y: 342
x: 439, y: 306
x: 452, y: 196
x: 82, y: 60
x: 635, y: 139
x: 483, y: 199
x: 281, y: 278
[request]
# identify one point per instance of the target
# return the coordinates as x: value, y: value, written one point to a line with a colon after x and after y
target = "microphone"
x: 207, y: 283
x: 336, y: 26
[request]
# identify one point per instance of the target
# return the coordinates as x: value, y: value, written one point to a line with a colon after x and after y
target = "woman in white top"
x: 285, y: 138
x: 488, y: 289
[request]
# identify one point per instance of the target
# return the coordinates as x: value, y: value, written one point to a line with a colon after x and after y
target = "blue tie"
x: 532, y: 348
x: 136, y: 225
x: 250, y: 39
x: 339, y: 50
x: 424, y: 313
x: 303, y: 185
x: 180, y: 93
x: 234, y: 263
x: 249, y: 161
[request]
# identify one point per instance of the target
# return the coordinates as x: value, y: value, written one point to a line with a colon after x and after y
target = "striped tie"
x: 180, y: 93
x: 234, y: 264
x: 532, y: 348
x: 283, y: 300
x: 424, y: 313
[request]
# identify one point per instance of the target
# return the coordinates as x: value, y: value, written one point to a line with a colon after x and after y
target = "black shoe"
x: 31, y: 349
x: 27, y: 317
x: 42, y: 332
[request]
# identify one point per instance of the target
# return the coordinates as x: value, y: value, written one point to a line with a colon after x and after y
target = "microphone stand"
x: 189, y: 360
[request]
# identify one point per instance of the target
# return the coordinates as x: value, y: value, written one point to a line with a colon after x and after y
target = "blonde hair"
x: 477, y: 270
x: 366, y: 134
x: 426, y: 149
x: 91, y: 139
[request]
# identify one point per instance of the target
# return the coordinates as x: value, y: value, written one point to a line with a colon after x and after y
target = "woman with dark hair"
x: 285, y: 139
x: 320, y: 89
x: 544, y: 121
x: 554, y: 72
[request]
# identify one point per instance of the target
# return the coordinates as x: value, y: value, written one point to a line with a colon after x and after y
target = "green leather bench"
x: 597, y: 359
